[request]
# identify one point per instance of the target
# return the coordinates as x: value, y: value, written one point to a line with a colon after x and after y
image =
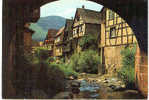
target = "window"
x: 111, y: 15
x: 73, y: 32
x: 112, y: 32
x: 58, y: 39
x: 78, y: 18
x: 81, y: 29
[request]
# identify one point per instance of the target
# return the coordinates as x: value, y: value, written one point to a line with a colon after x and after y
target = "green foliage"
x: 62, y: 60
x: 128, y: 56
x: 127, y: 73
x: 51, y: 59
x: 50, y: 78
x: 87, y: 61
x: 88, y: 41
x: 41, y: 53
x: 74, y: 62
x: 68, y: 71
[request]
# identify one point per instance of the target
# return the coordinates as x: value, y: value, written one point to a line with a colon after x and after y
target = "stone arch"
x: 134, y: 12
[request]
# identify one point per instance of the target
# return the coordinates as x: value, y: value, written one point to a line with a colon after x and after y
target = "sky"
x: 67, y: 8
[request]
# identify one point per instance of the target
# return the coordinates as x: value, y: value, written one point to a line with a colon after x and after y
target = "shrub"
x: 74, y: 62
x: 127, y: 73
x: 51, y: 75
x: 87, y: 61
x: 62, y: 60
x: 50, y: 78
x: 68, y: 71
x: 51, y: 59
x: 41, y: 53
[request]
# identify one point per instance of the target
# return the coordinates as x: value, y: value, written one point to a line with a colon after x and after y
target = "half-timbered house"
x: 49, y: 41
x: 67, y: 44
x: 58, y: 43
x: 85, y: 22
x: 116, y: 34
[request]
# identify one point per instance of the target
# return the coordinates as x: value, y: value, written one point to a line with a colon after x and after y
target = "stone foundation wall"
x: 27, y: 43
x: 112, y: 59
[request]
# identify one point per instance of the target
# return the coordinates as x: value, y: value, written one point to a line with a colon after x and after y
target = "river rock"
x: 116, y: 87
x: 123, y: 86
x: 105, y: 81
x: 75, y: 84
x: 82, y: 74
x: 114, y: 79
x: 64, y: 95
x: 112, y: 86
x: 75, y: 90
x: 72, y: 77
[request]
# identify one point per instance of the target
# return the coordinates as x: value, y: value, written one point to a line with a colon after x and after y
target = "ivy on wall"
x: 88, y: 41
x: 127, y: 72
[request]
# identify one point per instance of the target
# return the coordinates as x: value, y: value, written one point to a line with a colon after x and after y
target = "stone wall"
x: 112, y: 59
x: 141, y: 71
x: 27, y: 42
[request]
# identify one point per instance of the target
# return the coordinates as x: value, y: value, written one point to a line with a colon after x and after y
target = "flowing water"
x: 89, y: 89
x: 95, y: 90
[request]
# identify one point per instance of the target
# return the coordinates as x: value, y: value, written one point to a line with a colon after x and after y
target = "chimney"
x: 83, y: 6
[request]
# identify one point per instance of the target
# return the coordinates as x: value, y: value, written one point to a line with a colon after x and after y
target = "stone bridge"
x: 17, y: 13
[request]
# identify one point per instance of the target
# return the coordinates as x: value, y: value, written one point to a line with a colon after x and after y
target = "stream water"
x: 89, y: 89
x: 95, y: 90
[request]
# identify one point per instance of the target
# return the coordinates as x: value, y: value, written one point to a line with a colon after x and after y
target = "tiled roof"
x: 89, y: 16
x: 60, y: 31
x: 68, y: 26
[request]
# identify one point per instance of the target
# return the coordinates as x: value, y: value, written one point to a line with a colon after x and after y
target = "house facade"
x: 86, y: 22
x: 67, y: 40
x: 49, y: 41
x: 116, y: 35
x: 58, y: 44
